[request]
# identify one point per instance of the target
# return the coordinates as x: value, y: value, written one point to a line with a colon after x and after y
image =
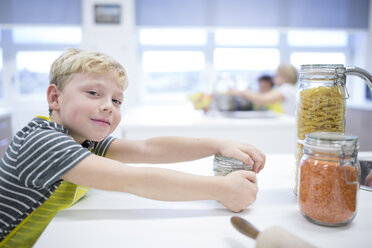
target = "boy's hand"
x: 248, y: 154
x: 234, y: 92
x: 238, y: 190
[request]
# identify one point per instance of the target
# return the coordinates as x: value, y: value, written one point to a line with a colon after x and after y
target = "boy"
x: 50, y: 157
x: 284, y: 94
x: 265, y: 83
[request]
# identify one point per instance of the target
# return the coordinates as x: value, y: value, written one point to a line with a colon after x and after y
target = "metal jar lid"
x: 224, y: 165
x: 332, y: 141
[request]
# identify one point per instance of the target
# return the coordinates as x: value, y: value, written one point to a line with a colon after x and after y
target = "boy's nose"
x: 106, y: 106
x: 107, y: 109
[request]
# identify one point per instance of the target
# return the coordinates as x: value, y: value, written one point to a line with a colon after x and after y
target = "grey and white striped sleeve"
x: 100, y: 148
x: 45, y: 156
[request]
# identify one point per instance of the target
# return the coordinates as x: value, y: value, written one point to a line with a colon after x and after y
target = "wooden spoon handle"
x: 244, y: 227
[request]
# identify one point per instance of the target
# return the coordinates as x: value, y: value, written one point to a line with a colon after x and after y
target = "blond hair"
x: 78, y: 61
x: 288, y: 72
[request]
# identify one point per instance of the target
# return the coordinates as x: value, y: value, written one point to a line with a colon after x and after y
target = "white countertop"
x: 272, y: 133
x: 184, y: 115
x: 110, y: 219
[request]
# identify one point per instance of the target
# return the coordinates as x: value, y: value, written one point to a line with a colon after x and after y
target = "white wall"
x: 117, y: 40
x: 368, y: 55
x: 362, y: 58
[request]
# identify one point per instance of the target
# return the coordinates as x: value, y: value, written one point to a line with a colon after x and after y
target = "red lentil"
x: 324, y: 194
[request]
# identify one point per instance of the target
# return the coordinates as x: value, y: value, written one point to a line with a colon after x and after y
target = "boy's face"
x: 279, y: 79
x: 89, y: 106
x: 265, y: 86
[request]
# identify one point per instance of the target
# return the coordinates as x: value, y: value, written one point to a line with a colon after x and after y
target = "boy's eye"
x: 93, y: 93
x: 118, y: 102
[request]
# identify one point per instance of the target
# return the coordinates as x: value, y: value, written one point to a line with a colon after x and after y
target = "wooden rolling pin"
x: 273, y: 237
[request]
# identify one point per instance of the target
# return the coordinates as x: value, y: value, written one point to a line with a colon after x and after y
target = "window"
x: 245, y: 54
x: 173, y: 37
x: 301, y: 58
x: 172, y: 61
x: 1, y: 68
x: 47, y: 35
x: 181, y: 61
x: 34, y: 49
x: 246, y: 37
x: 230, y: 59
x: 165, y: 61
x: 172, y: 71
x: 317, y: 38
x: 1, y: 71
x: 317, y: 47
x: 33, y: 70
x: 245, y: 65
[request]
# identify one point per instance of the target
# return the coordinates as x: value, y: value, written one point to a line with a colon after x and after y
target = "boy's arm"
x: 261, y: 98
x: 179, y: 149
x: 235, y: 191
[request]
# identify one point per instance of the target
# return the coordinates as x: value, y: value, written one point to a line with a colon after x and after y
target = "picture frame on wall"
x: 107, y: 13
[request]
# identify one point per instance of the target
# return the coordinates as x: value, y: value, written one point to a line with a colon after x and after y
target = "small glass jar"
x: 329, y: 178
x: 223, y: 165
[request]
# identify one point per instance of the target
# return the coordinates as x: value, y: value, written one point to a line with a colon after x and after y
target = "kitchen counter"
x: 269, y: 132
x: 110, y: 219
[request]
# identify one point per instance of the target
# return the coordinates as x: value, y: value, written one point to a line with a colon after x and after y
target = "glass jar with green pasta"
x: 320, y: 103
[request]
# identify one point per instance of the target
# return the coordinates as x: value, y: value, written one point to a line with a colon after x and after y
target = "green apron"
x: 29, y: 230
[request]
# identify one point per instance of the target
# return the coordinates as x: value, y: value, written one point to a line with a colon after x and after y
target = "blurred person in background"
x: 284, y: 92
x: 265, y: 85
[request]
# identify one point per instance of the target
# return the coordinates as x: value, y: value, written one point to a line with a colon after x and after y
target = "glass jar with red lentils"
x: 329, y: 176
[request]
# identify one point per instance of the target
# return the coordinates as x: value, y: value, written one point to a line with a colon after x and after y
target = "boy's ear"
x: 53, y: 96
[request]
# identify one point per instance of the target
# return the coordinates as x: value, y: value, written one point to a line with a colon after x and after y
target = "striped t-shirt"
x: 31, y: 169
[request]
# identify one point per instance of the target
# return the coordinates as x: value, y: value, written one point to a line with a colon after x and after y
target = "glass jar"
x: 223, y: 100
x: 321, y: 101
x: 329, y: 178
x: 223, y: 165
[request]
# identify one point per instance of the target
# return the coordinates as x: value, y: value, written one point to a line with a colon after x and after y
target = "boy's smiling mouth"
x: 101, y: 122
